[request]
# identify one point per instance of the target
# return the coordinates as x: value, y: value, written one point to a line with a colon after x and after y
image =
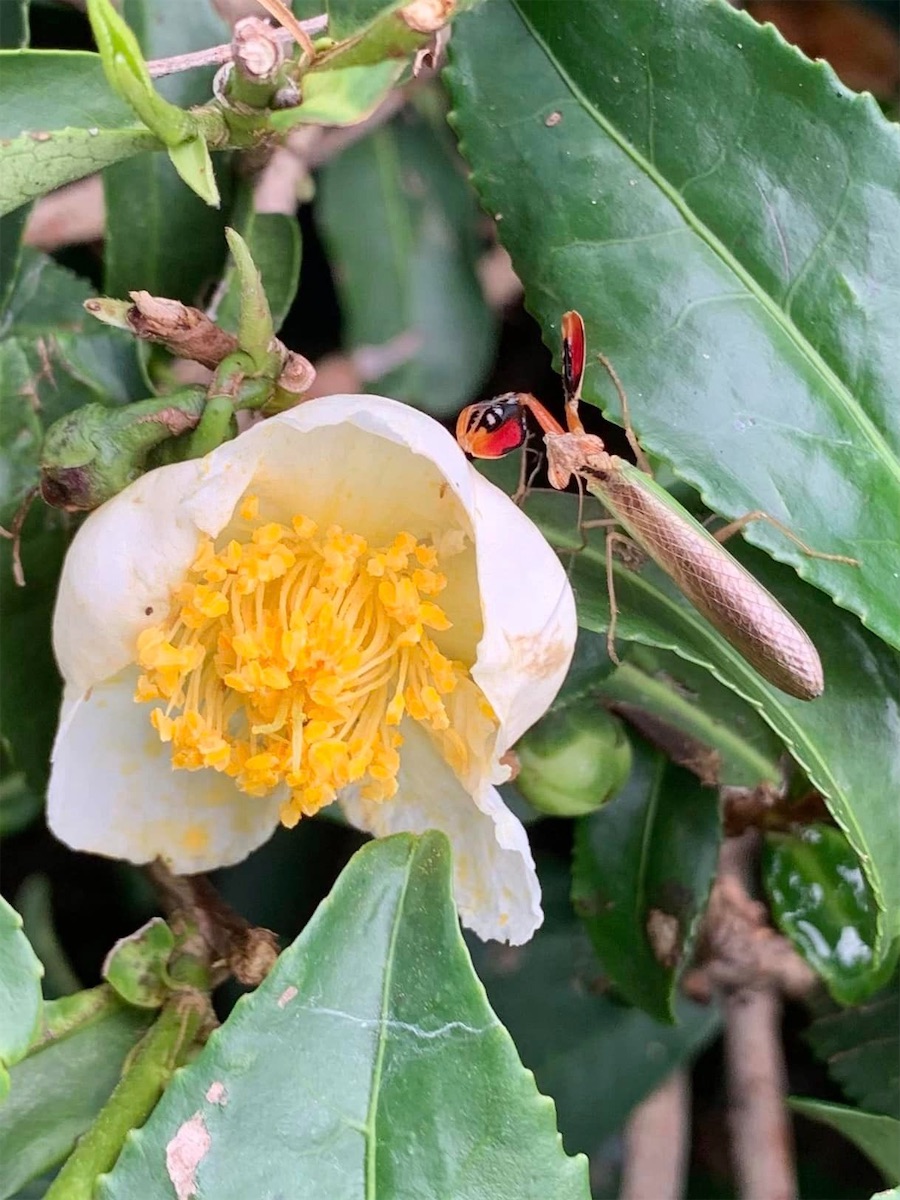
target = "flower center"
x: 291, y: 657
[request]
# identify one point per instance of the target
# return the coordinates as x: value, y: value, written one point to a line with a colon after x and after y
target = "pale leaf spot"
x: 184, y: 1153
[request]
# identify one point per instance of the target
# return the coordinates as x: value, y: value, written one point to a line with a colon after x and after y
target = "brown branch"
x: 737, y: 947
x: 217, y: 55
x: 248, y: 950
x: 657, y: 1137
x: 761, y: 1137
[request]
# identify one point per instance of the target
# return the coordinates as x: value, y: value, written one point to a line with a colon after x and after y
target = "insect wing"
x: 735, y: 603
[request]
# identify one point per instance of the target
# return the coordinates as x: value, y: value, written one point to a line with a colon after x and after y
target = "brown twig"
x: 217, y: 55
x: 248, y: 950
x: 657, y: 1137
x: 761, y: 1139
x: 737, y: 947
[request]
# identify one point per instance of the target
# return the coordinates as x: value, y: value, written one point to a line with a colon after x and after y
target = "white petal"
x: 530, y: 623
x: 495, y: 883
x: 123, y: 561
x: 113, y: 790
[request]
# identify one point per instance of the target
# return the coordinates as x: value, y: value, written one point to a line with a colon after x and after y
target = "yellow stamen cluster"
x: 290, y: 657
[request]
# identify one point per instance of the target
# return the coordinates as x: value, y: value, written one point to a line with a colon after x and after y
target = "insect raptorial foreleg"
x: 733, y: 527
x: 642, y: 461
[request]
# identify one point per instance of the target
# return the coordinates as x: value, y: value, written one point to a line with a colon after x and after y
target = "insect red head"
x: 493, y: 427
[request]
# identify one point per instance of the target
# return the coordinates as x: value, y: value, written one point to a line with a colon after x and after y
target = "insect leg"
x: 526, y: 477
x: 733, y: 527
x: 642, y: 460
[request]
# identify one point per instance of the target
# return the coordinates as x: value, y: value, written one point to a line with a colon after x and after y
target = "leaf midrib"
x: 781, y: 319
x: 371, y: 1160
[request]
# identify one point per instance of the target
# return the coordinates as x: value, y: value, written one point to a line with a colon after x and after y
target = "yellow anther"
x: 304, y: 527
x: 249, y: 508
x: 292, y: 658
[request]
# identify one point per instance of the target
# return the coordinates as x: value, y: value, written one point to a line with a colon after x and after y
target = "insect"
x: 739, y: 607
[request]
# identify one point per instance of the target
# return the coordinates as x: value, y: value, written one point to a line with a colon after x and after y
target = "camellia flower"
x: 334, y: 606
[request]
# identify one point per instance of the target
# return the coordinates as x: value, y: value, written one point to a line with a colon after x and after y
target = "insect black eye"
x: 493, y: 417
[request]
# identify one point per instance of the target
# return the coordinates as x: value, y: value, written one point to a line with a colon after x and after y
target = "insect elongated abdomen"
x: 746, y: 615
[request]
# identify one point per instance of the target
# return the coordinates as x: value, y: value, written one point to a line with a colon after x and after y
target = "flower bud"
x: 573, y: 761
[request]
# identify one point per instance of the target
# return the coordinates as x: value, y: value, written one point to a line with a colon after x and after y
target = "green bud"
x: 573, y: 761
x: 94, y: 452
x: 129, y: 77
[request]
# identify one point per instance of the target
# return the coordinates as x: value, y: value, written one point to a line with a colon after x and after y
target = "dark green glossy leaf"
x: 821, y: 900
x: 405, y: 264
x: 707, y: 197
x: 860, y: 706
x: 716, y: 733
x: 370, y: 1056
x: 19, y: 803
x: 20, y: 992
x: 14, y: 24
x: 596, y: 1057
x: 59, y: 1089
x: 274, y: 243
x: 53, y: 358
x: 861, y: 1047
x: 877, y: 1136
x: 12, y: 227
x: 13, y: 36
x: 59, y: 121
x: 34, y: 900
x: 160, y: 236
x: 641, y: 874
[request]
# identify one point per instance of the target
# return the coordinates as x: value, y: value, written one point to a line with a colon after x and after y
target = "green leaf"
x: 136, y: 966
x: 19, y: 803
x: 273, y: 240
x: 861, y: 1047
x: 369, y: 1055
x: 705, y: 196
x: 53, y: 358
x: 59, y: 1089
x: 596, y: 1057
x: 59, y: 121
x: 821, y: 900
x: 642, y: 869
x: 877, y: 1136
x: 20, y: 992
x: 860, y: 706
x: 193, y: 162
x: 128, y: 75
x: 160, y: 237
x: 34, y: 900
x: 418, y: 226
x: 14, y: 24
x: 343, y: 96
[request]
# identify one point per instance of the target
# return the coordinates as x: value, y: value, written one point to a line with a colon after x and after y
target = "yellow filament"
x: 292, y: 656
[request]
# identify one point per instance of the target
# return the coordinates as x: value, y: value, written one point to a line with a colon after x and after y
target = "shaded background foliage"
x: 592, y: 1011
